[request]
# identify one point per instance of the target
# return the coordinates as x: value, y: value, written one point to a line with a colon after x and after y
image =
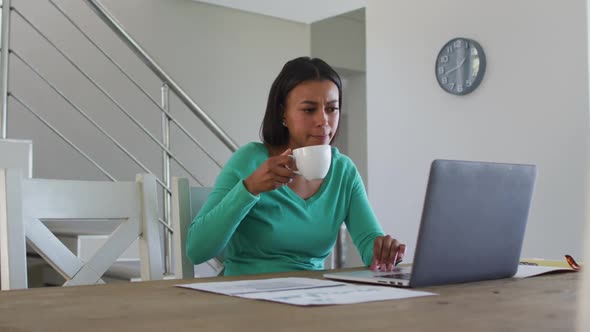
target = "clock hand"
x: 456, y: 67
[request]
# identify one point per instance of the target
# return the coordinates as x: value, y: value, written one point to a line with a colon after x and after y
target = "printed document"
x: 305, y: 291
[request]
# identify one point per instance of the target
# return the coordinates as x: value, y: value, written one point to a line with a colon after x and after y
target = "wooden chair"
x: 186, y: 203
x: 125, y: 210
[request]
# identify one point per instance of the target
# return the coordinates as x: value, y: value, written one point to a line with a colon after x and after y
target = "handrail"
x: 110, y: 20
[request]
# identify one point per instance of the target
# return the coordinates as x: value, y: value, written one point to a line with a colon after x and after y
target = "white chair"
x: 128, y: 209
x: 186, y: 203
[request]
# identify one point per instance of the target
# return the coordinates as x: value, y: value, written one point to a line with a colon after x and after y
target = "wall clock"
x: 460, y: 66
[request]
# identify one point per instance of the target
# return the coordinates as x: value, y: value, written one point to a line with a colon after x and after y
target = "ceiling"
x: 303, y: 11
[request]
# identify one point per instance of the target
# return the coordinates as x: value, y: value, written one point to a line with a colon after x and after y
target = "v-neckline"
x: 312, y: 198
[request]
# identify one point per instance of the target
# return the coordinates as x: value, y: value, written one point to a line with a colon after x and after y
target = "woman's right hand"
x: 272, y: 174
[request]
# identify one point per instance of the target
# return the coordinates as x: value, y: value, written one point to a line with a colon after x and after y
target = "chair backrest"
x: 186, y: 203
x: 35, y: 209
x: 17, y: 154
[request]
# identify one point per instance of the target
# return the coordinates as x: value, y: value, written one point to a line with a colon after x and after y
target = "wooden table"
x: 544, y: 303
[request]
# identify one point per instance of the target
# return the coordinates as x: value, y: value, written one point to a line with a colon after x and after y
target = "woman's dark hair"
x: 294, y: 72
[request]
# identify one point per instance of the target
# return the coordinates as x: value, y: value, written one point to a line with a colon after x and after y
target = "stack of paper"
x: 537, y: 266
x: 305, y: 291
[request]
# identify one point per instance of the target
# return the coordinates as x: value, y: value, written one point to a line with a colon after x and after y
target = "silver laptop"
x: 472, y: 228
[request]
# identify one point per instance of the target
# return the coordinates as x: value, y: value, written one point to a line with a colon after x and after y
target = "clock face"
x: 460, y: 66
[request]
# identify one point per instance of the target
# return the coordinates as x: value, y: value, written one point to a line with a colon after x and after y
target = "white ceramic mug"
x: 313, y: 162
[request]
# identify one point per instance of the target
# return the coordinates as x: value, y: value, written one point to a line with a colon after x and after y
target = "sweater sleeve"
x: 226, y: 206
x: 361, y: 222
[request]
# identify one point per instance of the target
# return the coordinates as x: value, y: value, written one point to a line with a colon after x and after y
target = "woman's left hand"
x: 387, y: 252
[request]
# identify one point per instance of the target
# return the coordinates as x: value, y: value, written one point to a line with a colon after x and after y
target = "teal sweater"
x: 278, y: 230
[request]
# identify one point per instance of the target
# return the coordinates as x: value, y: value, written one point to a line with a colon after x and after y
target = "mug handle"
x: 294, y: 171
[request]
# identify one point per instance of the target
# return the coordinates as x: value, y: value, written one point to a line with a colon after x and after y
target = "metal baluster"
x: 166, y: 177
x: 6, y: 9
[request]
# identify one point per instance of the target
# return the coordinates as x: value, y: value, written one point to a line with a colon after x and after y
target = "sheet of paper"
x: 544, y: 262
x: 262, y: 285
x: 525, y: 271
x: 305, y: 291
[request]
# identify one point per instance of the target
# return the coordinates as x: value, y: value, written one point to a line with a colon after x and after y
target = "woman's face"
x: 312, y: 113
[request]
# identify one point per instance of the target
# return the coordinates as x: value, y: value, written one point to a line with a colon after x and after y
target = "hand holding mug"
x: 272, y: 174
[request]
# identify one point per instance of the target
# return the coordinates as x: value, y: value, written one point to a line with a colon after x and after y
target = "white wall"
x: 354, y: 112
x: 224, y: 59
x: 532, y: 107
x: 340, y: 40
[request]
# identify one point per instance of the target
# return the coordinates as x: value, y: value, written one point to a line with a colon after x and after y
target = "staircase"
x: 124, y: 122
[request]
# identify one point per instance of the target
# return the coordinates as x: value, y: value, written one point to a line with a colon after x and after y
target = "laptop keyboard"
x: 403, y: 276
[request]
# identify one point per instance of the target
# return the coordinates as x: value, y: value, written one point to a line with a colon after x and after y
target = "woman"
x: 269, y: 219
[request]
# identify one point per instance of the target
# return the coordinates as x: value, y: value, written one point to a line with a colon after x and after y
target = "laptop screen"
x: 473, y: 221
